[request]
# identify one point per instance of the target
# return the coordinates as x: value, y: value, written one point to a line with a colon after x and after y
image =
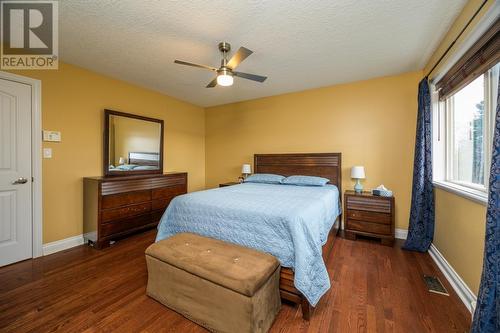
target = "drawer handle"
x: 134, y: 209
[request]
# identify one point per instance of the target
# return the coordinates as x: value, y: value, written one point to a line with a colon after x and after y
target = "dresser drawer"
x: 117, y: 206
x: 156, y: 216
x: 170, y: 181
x: 369, y: 227
x: 369, y: 216
x: 128, y: 211
x: 125, y: 186
x: 372, y: 204
x: 125, y: 225
x: 168, y: 192
x: 161, y: 204
x: 125, y: 199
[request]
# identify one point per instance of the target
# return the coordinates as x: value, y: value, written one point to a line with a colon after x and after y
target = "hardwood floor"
x: 375, y: 288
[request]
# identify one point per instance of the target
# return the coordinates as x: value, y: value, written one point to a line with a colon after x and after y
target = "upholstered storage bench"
x: 222, y: 287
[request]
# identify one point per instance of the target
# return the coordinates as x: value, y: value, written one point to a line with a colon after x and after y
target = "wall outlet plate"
x: 47, y: 152
x: 52, y: 136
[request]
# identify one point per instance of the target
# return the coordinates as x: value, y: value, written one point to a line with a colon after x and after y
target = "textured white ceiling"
x: 298, y: 44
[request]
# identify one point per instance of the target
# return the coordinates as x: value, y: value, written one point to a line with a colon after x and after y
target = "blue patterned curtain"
x: 421, y: 229
x: 487, y: 314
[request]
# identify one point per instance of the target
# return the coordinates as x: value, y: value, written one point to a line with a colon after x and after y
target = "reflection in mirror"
x: 134, y: 144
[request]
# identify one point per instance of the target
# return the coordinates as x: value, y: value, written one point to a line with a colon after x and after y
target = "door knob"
x: 21, y: 180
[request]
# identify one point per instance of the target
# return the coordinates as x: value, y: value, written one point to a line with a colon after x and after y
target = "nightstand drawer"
x: 372, y: 204
x: 377, y: 228
x: 369, y: 216
x: 229, y: 184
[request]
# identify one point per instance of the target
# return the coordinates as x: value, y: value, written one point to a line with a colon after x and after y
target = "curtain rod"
x: 455, y: 40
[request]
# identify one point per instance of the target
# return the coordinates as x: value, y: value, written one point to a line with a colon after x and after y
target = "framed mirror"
x: 133, y: 144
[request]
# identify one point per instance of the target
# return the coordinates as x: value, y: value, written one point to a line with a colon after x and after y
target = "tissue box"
x: 382, y: 193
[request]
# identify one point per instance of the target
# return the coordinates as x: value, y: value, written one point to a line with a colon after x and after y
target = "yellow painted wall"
x: 73, y: 100
x: 459, y: 235
x: 372, y: 123
x: 460, y: 223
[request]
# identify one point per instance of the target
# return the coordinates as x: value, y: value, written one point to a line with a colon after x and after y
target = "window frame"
x: 443, y: 141
x: 449, y: 105
x: 486, y: 23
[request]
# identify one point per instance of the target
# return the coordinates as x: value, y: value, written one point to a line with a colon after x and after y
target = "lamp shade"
x: 246, y: 168
x: 358, y: 172
x: 225, y: 80
x: 121, y: 160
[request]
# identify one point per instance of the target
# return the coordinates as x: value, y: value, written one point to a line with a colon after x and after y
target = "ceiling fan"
x: 226, y: 72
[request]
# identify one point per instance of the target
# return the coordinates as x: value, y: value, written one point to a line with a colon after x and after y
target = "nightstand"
x: 228, y: 184
x: 369, y: 215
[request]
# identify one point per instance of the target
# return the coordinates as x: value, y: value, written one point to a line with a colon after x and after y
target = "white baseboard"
x: 400, y: 233
x: 462, y: 290
x: 62, y: 244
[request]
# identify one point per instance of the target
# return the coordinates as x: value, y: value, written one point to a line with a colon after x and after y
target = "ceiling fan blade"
x: 238, y: 57
x: 212, y: 83
x: 252, y: 77
x: 180, y: 62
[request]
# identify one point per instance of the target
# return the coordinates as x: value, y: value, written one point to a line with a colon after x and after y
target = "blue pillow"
x: 266, y: 178
x: 305, y: 181
x: 127, y: 167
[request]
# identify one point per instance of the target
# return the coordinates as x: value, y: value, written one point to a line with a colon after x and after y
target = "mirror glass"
x: 134, y: 144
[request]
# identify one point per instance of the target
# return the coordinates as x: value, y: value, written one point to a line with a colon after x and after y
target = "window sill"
x: 465, y: 192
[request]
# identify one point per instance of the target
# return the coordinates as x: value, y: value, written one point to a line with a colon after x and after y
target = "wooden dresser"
x: 116, y: 206
x: 369, y: 215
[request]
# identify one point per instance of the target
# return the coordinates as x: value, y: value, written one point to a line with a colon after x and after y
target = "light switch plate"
x: 47, y: 152
x: 52, y: 136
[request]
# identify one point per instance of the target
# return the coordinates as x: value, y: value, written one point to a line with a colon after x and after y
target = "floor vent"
x: 435, y: 286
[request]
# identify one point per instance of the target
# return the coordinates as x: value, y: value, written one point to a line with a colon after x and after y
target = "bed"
x: 297, y: 224
x: 139, y: 161
x: 144, y: 159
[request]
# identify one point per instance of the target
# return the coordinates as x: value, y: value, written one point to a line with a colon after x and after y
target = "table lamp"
x: 358, y: 172
x: 246, y: 169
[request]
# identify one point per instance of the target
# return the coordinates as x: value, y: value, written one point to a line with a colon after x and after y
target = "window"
x: 463, y: 115
x: 469, y: 116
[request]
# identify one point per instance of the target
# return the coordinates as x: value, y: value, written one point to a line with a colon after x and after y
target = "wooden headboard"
x: 327, y: 165
x: 143, y: 158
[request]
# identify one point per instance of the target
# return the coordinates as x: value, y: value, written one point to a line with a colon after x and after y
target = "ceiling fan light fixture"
x: 225, y: 79
x: 225, y: 73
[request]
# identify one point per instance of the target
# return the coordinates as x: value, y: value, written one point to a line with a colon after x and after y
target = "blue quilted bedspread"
x: 290, y: 222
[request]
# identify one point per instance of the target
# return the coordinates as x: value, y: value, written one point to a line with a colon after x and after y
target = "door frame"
x: 36, y: 158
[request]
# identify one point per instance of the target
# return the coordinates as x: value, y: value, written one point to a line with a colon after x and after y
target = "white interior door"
x: 15, y: 172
